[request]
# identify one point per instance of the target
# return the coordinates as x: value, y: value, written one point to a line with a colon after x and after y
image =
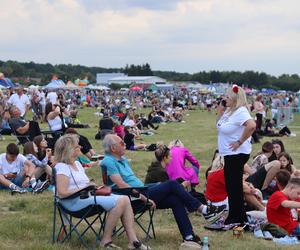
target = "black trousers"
x: 233, y: 172
x: 259, y: 118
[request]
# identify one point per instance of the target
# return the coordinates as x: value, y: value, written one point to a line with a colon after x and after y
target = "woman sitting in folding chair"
x: 71, y: 177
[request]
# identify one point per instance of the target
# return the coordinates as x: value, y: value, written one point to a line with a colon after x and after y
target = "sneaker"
x: 267, y: 235
x: 191, y: 245
x: 214, y: 213
x: 227, y: 227
x: 258, y: 234
x: 218, y: 224
x: 18, y: 190
x: 41, y: 186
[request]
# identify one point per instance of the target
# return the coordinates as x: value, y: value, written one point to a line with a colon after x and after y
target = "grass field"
x: 26, y: 221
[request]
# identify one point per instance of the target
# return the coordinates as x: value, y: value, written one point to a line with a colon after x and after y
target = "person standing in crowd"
x: 259, y: 110
x: 235, y: 127
x: 20, y: 100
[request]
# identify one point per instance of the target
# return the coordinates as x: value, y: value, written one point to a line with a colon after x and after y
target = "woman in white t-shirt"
x: 71, y: 177
x: 235, y: 127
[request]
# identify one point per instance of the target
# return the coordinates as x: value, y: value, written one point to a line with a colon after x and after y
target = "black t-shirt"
x: 129, y: 140
x: 106, y: 123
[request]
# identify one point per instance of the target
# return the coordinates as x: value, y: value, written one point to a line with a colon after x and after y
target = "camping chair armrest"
x: 80, y: 192
x: 131, y: 191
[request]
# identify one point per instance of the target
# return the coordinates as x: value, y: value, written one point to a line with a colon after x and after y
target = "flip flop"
x: 110, y: 245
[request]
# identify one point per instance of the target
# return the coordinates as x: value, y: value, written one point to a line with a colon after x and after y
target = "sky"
x: 176, y: 35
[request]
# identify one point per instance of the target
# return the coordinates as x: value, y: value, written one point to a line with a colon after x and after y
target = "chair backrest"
x: 22, y: 139
x: 104, y: 174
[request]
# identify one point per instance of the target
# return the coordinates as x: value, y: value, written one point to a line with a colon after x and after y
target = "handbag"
x: 102, y: 191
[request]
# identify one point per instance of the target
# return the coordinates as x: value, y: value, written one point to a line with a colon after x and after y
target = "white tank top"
x: 55, y: 124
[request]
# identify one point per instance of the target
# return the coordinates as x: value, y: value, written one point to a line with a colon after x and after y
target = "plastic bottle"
x: 205, y: 243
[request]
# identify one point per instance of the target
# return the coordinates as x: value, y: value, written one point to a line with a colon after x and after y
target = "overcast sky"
x: 181, y: 35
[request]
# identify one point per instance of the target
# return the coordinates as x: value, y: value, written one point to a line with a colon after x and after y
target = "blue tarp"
x: 6, y: 82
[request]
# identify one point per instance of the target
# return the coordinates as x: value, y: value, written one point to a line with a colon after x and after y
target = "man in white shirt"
x: 17, y: 173
x: 20, y: 100
x: 52, y: 97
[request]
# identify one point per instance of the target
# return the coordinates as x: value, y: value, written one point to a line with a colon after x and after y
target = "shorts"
x: 296, y: 231
x: 257, y: 179
x: 107, y: 202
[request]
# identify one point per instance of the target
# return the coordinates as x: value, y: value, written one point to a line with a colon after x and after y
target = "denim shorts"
x: 107, y: 202
x: 296, y: 231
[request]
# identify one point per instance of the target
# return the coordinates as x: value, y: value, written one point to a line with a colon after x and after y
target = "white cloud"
x: 187, y: 35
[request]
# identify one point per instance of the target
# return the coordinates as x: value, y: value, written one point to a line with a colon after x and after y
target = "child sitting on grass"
x: 280, y: 204
x: 129, y: 140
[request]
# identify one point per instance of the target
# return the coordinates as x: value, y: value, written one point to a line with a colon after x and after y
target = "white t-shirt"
x: 230, y: 129
x: 129, y: 122
x: 77, y: 179
x: 13, y: 167
x: 56, y: 124
x: 52, y: 97
x: 20, y: 102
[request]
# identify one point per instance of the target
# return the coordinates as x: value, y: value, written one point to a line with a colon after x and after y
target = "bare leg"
x: 252, y: 200
x: 112, y: 219
x: 272, y: 169
x: 128, y: 223
x: 4, y: 181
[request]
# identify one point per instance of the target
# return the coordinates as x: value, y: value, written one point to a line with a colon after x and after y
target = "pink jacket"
x: 177, y: 169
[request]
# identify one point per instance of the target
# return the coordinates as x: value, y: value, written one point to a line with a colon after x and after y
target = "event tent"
x: 6, y: 82
x: 55, y: 84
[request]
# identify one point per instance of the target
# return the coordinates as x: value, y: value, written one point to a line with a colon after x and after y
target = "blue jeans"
x: 171, y: 194
x: 18, y: 180
x: 296, y: 231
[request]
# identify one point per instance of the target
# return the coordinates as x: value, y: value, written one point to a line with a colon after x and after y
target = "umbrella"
x: 135, y: 88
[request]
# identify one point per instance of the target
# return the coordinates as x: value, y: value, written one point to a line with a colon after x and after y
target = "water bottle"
x: 205, y: 243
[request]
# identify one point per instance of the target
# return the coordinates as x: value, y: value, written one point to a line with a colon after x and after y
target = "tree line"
x: 29, y: 72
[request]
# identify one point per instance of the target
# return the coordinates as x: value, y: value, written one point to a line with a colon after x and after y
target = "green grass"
x: 26, y: 221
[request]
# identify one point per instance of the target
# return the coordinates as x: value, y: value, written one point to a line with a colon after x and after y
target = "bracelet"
x: 28, y: 176
x: 239, y: 142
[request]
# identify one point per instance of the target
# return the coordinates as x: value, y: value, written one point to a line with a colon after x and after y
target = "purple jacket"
x: 177, y: 169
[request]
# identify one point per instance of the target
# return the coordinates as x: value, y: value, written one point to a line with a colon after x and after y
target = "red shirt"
x: 215, y: 186
x: 278, y: 214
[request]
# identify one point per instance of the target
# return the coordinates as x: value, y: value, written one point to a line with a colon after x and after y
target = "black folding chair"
x: 139, y: 207
x: 85, y: 219
x: 21, y: 139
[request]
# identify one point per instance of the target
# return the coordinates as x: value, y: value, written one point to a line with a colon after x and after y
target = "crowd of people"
x: 268, y: 184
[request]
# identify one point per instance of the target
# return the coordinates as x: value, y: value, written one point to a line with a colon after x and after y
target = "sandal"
x: 110, y: 245
x: 139, y: 245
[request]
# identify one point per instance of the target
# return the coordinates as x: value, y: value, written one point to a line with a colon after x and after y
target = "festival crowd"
x: 253, y: 194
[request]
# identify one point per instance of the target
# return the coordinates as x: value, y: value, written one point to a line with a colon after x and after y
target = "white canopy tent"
x: 55, y: 84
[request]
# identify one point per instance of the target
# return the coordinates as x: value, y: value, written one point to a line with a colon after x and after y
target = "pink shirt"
x: 177, y: 169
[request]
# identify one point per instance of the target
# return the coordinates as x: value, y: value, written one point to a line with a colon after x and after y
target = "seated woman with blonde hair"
x: 71, y: 177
